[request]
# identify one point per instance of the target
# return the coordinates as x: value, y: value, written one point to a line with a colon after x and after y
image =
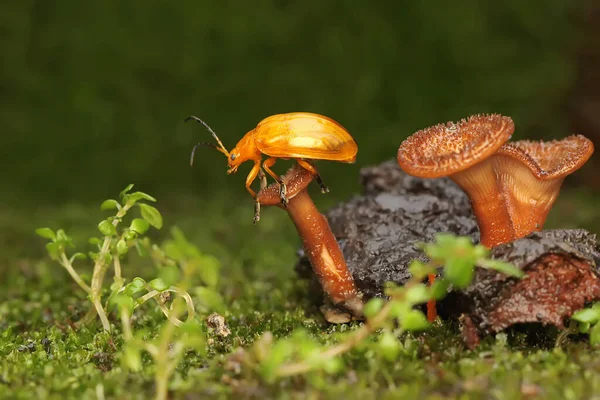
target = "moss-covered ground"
x: 43, y: 356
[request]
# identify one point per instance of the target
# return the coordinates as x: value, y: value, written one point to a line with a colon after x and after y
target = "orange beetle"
x: 300, y: 135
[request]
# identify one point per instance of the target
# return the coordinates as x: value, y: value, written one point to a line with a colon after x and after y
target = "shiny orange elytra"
x: 299, y: 135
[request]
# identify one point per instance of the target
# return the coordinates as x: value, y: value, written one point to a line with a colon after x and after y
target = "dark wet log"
x: 378, y: 232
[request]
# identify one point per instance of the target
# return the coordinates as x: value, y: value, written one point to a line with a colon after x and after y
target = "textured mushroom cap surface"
x: 552, y: 159
x: 445, y: 149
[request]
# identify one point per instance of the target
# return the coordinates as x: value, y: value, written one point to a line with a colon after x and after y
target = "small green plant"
x: 587, y: 322
x: 114, y: 244
x: 180, y: 266
x: 299, y: 354
x: 175, y: 337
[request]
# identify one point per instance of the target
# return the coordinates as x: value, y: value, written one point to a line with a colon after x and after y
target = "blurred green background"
x: 94, y: 93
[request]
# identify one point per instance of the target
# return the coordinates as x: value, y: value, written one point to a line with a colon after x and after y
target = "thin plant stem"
x: 356, y: 338
x: 100, y: 268
x: 64, y: 261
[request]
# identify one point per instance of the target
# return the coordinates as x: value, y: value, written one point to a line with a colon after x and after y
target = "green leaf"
x: 439, y: 289
x: 589, y: 315
x: 420, y: 270
x: 77, y: 256
x: 459, y: 271
x: 584, y: 327
x: 158, y: 284
x: 170, y: 275
x: 210, y: 299
x: 139, y: 225
x: 414, y: 320
x: 333, y: 365
x: 107, y: 228
x: 46, y: 233
x: 503, y: 267
x: 54, y: 250
x: 417, y: 294
x: 595, y: 335
x: 152, y: 215
x: 122, y: 247
x: 373, y: 306
x: 132, y: 358
x: 125, y: 191
x: 95, y: 241
x: 123, y: 302
x: 389, y: 346
x: 135, y: 286
x: 110, y: 204
x: 137, y: 196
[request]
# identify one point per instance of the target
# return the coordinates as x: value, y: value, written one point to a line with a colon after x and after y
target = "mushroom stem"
x: 319, y: 243
x: 488, y: 202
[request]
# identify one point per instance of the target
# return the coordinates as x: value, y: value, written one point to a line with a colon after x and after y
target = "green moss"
x: 42, y: 356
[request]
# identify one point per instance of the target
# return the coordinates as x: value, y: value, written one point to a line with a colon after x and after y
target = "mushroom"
x: 530, y: 175
x: 318, y: 242
x: 511, y: 186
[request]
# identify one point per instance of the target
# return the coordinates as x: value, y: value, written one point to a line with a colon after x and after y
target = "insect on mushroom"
x: 299, y: 135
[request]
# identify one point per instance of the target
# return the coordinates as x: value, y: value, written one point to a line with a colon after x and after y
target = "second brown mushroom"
x: 318, y: 241
x: 512, y: 186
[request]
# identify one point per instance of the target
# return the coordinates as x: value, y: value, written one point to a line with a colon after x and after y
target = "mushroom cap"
x: 445, y: 149
x: 553, y: 159
x: 296, y: 179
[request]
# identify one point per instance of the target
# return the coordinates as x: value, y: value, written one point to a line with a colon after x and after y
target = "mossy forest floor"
x: 42, y: 356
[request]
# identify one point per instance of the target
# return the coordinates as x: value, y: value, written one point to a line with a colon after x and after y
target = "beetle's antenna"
x: 221, y: 148
x: 201, y: 144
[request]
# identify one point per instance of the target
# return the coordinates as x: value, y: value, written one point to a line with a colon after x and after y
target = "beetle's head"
x: 242, y: 152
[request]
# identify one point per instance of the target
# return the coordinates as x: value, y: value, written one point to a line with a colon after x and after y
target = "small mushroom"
x: 511, y: 186
x: 530, y: 175
x: 319, y: 243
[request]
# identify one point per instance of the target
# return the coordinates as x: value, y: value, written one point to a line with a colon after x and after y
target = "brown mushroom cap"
x: 296, y: 180
x: 551, y: 160
x: 445, y: 149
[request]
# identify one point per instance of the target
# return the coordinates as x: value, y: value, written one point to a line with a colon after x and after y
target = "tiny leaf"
x: 54, y: 249
x: 158, y: 284
x: 136, y: 196
x: 389, y: 346
x: 152, y: 215
x: 414, y: 320
x: 122, y: 247
x: 46, y: 233
x: 107, y: 228
x: 132, y: 358
x: 135, y: 286
x: 589, y: 315
x: 126, y: 190
x: 77, y: 256
x: 373, y: 306
x: 503, y: 267
x: 139, y: 225
x: 110, y: 204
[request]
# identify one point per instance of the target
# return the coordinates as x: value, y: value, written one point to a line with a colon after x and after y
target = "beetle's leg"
x: 312, y: 169
x: 256, y: 170
x: 269, y: 162
x: 263, y: 179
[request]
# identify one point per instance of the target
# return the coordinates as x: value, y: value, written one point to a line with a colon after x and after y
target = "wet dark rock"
x: 378, y: 232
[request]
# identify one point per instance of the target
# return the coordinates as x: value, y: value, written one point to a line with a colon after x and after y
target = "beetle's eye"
x: 232, y: 156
